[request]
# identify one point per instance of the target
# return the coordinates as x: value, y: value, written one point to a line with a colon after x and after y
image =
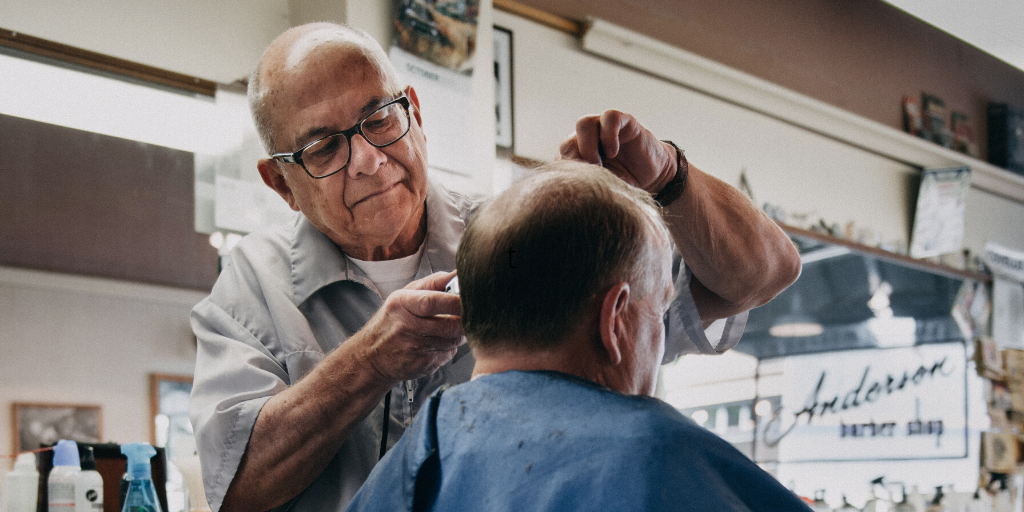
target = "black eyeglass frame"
x: 296, y: 157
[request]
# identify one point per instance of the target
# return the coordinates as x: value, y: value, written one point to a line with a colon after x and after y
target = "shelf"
x: 893, y: 257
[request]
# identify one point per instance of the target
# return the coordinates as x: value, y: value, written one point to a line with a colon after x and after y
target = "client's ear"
x: 613, y: 322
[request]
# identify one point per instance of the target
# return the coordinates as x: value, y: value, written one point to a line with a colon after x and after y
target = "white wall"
x: 218, y: 41
x: 83, y: 340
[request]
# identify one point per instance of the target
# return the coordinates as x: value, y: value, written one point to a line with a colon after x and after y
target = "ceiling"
x: 993, y: 26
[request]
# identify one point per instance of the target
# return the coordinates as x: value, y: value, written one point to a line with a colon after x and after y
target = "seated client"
x: 565, y: 279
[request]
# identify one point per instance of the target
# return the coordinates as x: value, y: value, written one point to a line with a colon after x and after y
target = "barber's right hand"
x: 416, y: 331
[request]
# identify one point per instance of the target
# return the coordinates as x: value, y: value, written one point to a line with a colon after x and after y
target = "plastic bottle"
x: 60, y: 486
x: 936, y: 504
x: 874, y: 504
x: 141, y: 495
x: 819, y: 504
x: 89, y: 486
x: 917, y: 499
x: 905, y: 505
x: 23, y: 485
x: 846, y: 506
x: 980, y: 502
x: 1001, y: 502
x: 192, y: 473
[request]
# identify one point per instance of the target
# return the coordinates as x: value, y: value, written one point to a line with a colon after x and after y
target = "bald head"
x: 306, y: 51
x: 533, y: 262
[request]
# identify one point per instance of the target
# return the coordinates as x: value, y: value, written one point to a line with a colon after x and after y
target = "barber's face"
x: 379, y: 196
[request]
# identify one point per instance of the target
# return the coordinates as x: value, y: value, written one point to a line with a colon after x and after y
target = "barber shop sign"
x: 877, y: 404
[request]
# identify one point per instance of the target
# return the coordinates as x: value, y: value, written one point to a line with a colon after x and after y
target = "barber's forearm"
x: 739, y: 257
x: 300, y: 430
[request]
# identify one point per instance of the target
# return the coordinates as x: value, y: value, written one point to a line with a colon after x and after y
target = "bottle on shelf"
x: 141, y: 495
x: 874, y: 503
x: 936, y: 504
x: 23, y: 485
x: 187, y: 462
x: 89, y: 486
x: 819, y: 504
x: 846, y: 506
x: 60, y: 485
x: 1002, y: 501
x: 917, y: 499
x: 905, y: 505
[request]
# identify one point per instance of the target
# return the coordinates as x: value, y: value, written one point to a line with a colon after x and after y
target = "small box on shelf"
x: 1006, y: 137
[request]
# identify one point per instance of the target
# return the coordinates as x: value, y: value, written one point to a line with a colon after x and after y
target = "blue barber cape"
x: 534, y: 441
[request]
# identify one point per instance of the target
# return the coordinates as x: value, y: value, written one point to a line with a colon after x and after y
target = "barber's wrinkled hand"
x: 416, y: 331
x: 630, y: 151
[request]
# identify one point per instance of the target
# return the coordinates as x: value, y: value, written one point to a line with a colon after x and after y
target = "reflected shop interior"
x: 857, y: 371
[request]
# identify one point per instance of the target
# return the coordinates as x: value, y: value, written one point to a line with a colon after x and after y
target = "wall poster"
x: 1007, y: 295
x: 876, y: 404
x: 939, y: 218
x: 433, y: 52
x: 43, y: 424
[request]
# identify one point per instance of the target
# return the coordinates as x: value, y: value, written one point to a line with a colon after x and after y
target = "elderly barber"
x: 313, y: 323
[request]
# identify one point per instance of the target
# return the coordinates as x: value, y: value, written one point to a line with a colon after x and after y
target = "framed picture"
x: 168, y: 407
x: 503, y: 87
x: 36, y: 424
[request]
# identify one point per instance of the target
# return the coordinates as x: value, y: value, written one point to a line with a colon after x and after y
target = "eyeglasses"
x: 329, y: 155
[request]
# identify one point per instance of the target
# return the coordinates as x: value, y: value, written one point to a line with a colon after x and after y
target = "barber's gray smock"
x: 289, y: 296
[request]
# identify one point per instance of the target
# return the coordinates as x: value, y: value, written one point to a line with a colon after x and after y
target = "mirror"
x: 858, y: 370
x: 856, y: 300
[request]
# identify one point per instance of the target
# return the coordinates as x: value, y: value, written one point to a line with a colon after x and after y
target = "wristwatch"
x: 674, y: 188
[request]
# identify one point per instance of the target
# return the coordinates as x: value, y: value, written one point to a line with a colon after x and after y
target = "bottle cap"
x: 66, y: 454
x: 89, y: 459
x: 26, y: 463
x: 138, y: 459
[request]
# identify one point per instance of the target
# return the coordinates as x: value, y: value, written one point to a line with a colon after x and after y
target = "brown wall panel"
x: 859, y: 55
x: 82, y: 203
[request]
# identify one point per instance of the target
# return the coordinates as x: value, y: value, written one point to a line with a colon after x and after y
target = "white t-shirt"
x: 391, y: 275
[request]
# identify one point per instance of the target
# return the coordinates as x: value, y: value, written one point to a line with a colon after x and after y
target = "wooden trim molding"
x: 98, y: 61
x: 543, y: 17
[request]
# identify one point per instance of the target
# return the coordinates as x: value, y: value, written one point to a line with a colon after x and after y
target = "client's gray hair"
x: 532, y: 262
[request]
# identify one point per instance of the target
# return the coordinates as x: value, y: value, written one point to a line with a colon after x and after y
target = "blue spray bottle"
x: 141, y: 495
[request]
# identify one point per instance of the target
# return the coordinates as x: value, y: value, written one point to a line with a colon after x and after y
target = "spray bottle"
x: 872, y: 504
x: 61, y: 483
x: 89, y: 486
x: 141, y: 495
x: 23, y: 485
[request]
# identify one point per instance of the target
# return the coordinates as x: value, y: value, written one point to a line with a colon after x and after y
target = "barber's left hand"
x: 631, y: 151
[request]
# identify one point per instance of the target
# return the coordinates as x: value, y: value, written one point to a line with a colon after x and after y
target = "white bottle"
x: 89, y: 485
x: 819, y: 504
x: 60, y: 486
x: 917, y: 499
x: 937, y: 504
x: 23, y: 485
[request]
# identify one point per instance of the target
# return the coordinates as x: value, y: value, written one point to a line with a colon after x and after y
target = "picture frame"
x: 503, y: 108
x: 168, y: 408
x: 40, y: 424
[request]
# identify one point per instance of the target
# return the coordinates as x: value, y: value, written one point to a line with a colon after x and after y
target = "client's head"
x: 568, y: 270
